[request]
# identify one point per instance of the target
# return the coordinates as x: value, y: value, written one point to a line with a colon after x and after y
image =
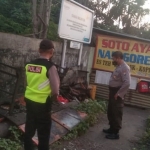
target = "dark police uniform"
x: 42, y: 83
x: 119, y: 84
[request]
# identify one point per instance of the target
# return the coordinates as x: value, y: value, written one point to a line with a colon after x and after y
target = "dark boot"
x: 108, y: 131
x: 114, y: 135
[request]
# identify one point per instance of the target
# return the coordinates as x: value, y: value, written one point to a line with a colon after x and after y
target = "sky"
x: 147, y: 18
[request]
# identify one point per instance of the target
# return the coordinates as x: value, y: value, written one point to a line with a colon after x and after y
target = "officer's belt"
x: 114, y: 88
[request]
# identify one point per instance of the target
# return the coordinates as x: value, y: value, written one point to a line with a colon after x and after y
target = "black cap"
x: 46, y: 45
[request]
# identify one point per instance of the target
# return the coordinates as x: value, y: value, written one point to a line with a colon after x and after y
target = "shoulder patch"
x: 124, y: 72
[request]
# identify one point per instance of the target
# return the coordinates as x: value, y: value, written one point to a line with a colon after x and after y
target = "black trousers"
x: 38, y: 118
x: 115, y: 110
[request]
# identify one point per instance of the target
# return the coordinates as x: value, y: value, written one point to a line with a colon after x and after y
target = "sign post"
x: 80, y: 54
x: 76, y: 24
x: 63, y: 55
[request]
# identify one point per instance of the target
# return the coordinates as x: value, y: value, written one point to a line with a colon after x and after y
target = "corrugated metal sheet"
x: 132, y: 98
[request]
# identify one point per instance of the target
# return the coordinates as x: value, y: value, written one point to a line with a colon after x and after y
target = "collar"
x: 42, y: 57
x: 121, y: 64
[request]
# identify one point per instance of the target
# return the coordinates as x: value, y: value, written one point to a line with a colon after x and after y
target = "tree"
x: 119, y: 15
x: 55, y: 11
x: 41, y: 17
x: 18, y: 11
x: 128, y: 13
x: 145, y: 31
x: 15, y: 16
x: 54, y: 20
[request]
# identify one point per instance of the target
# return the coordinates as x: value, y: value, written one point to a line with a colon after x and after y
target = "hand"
x: 58, y: 103
x: 116, y: 96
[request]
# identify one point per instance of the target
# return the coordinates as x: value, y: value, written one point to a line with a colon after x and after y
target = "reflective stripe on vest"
x: 38, y: 87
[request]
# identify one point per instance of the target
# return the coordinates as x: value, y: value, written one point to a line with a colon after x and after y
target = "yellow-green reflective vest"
x: 38, y: 87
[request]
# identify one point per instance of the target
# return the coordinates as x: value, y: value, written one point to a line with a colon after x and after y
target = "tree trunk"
x: 34, y: 18
x: 41, y: 11
x: 47, y: 12
x: 40, y: 17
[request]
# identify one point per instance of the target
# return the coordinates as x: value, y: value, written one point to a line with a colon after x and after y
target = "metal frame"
x: 17, y: 75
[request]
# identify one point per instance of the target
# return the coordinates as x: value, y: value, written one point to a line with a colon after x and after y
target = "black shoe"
x: 112, y: 136
x: 107, y: 131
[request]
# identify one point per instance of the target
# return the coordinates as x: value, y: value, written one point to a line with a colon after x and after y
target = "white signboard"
x: 75, y: 45
x: 103, y: 77
x: 76, y: 22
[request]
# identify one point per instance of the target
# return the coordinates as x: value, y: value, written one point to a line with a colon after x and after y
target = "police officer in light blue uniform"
x: 118, y: 85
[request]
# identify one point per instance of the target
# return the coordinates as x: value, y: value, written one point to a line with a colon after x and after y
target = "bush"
x: 8, y: 25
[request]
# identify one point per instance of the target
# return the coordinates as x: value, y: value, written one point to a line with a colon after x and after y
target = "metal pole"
x: 80, y: 54
x: 63, y: 55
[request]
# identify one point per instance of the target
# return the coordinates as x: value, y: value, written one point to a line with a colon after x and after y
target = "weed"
x: 56, y: 145
x: 93, y: 109
x: 144, y: 143
x: 13, y: 143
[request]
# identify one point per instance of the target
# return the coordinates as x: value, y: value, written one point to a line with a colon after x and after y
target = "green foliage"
x: 7, y: 144
x: 55, y: 11
x: 54, y: 20
x: 15, y: 16
x: 13, y: 143
x: 15, y: 132
x: 144, y: 143
x: 19, y: 11
x: 8, y: 25
x: 146, y: 138
x: 93, y: 109
x: 123, y: 16
x: 52, y: 32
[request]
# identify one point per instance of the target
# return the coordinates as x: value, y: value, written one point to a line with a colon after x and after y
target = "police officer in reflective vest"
x: 118, y: 85
x: 42, y: 87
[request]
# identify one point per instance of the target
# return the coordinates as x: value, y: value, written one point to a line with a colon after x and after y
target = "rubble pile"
x: 74, y: 85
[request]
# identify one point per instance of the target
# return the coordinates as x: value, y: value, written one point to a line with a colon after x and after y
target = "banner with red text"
x: 136, y: 54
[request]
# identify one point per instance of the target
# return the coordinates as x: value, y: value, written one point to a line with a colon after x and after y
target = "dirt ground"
x: 134, y: 121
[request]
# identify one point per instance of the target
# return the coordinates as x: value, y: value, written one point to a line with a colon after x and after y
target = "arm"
x: 54, y: 82
x: 125, y: 76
